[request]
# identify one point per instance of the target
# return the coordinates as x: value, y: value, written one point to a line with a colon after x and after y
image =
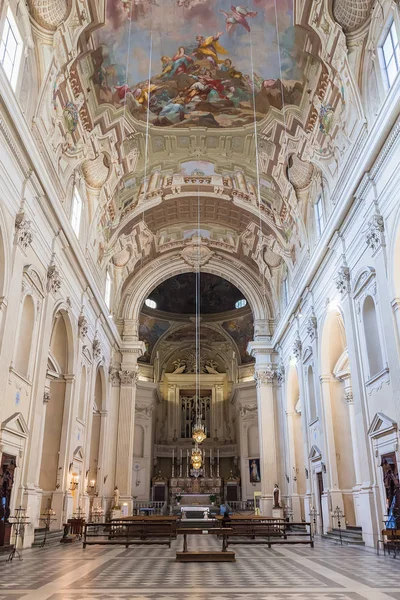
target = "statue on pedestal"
x: 116, y: 504
x: 277, y: 494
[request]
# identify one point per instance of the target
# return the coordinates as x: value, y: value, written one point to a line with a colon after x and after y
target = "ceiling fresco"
x: 241, y: 330
x: 178, y: 294
x: 209, y: 63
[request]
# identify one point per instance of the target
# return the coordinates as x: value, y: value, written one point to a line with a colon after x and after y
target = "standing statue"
x: 277, y: 494
x: 116, y: 498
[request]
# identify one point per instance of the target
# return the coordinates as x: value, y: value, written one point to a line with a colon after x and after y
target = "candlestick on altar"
x: 180, y: 466
x: 187, y: 463
x: 211, y: 466
x: 204, y: 463
x: 218, y: 462
x: 173, y: 463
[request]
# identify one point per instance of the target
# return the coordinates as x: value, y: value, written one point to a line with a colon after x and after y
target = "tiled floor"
x: 327, y: 572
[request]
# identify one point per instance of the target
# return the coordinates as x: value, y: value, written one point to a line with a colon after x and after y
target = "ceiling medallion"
x: 196, y: 254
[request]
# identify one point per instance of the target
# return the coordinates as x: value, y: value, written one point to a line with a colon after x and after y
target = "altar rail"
x: 241, y: 505
x: 149, y: 506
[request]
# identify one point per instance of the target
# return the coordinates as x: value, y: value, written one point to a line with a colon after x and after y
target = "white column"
x: 353, y: 430
x: 265, y: 375
x: 292, y: 468
x: 126, y: 425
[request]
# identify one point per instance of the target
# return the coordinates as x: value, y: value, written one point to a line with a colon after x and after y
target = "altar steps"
x: 349, y: 536
x: 53, y: 537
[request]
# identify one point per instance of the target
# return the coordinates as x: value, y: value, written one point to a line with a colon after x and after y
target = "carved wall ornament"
x: 23, y: 231
x: 297, y: 348
x: 96, y: 348
x: 83, y: 326
x: 129, y: 377
x: 311, y: 327
x: 113, y: 373
x: 375, y: 232
x: 145, y: 410
x: 248, y: 409
x: 46, y: 397
x: 196, y: 254
x: 280, y: 373
x: 348, y: 396
x: 53, y: 279
x: 342, y: 281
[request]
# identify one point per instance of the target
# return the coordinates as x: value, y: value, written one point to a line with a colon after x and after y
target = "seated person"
x: 225, y: 508
x: 226, y: 519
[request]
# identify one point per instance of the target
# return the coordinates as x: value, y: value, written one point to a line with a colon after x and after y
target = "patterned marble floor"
x: 327, y: 572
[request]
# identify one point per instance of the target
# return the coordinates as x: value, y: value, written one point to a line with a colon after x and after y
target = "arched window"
x: 76, y: 211
x: 11, y: 46
x: 107, y: 290
x: 24, y: 343
x: 82, y: 395
x: 371, y: 333
x: 319, y: 216
x: 285, y: 290
x: 311, y: 393
x: 390, y: 55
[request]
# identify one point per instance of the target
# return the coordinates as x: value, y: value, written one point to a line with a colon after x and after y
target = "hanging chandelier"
x: 197, y: 458
x: 199, y: 431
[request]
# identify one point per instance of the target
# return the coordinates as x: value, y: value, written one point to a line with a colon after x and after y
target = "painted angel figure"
x: 127, y: 5
x: 238, y: 16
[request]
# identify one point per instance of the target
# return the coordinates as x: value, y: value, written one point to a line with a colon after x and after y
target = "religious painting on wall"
x: 254, y: 467
x: 206, y: 63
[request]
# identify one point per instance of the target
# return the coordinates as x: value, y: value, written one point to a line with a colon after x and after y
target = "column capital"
x: 265, y: 375
x: 128, y: 378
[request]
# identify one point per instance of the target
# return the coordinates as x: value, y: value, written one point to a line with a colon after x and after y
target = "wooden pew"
x: 270, y: 532
x: 130, y: 531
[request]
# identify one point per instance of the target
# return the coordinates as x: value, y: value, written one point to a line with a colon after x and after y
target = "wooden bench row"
x: 162, y: 530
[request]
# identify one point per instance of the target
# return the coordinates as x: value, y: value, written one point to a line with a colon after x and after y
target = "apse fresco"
x: 150, y: 330
x: 179, y: 294
x: 207, y: 63
x: 242, y: 331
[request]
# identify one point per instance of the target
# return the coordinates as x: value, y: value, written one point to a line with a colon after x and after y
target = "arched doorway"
x: 337, y: 402
x: 296, y: 467
x: 97, y: 408
x: 54, y: 478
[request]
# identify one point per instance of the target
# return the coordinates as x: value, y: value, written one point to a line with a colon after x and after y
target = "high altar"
x: 195, y: 491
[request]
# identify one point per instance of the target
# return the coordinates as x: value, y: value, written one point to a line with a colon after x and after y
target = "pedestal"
x: 277, y: 513
x: 266, y: 504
